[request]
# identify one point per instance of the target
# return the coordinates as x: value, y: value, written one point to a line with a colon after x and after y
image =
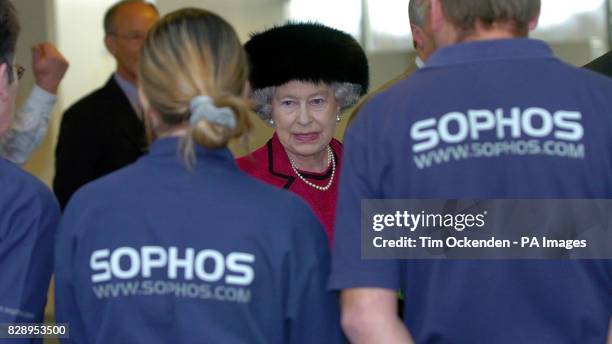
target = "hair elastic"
x: 203, y: 107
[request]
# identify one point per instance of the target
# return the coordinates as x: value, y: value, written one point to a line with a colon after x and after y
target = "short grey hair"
x: 346, y: 93
x: 465, y: 14
x: 418, y: 10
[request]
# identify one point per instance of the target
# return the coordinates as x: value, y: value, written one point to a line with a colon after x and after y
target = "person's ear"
x: 151, y: 123
x: 149, y: 115
x: 417, y: 37
x: 152, y: 117
x: 144, y: 102
x: 533, y: 23
x: 110, y: 43
x: 4, y: 81
x: 246, y: 89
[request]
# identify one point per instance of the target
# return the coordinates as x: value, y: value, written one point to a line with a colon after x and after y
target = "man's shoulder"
x: 15, y: 177
x: 109, y: 186
x: 19, y: 188
x: 581, y: 87
x: 394, y: 96
x: 419, y: 85
x: 95, y: 101
x: 592, y: 75
x: 597, y: 79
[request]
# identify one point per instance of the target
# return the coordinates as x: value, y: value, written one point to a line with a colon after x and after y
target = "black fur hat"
x: 306, y: 52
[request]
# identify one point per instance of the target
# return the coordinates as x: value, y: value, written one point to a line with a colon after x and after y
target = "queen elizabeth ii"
x: 303, y: 76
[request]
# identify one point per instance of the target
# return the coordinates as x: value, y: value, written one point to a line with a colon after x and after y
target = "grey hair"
x: 346, y: 94
x: 418, y: 10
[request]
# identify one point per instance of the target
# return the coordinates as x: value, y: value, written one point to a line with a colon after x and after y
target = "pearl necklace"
x: 330, y: 159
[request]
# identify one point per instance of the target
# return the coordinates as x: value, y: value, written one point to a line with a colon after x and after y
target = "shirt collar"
x: 168, y: 148
x: 419, y: 62
x: 130, y: 91
x: 478, y: 51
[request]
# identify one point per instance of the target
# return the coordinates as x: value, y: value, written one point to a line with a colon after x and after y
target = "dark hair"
x: 111, y: 13
x: 464, y: 14
x: 9, y: 30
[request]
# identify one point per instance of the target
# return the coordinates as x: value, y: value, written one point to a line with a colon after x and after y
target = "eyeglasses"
x: 20, y: 70
x: 132, y: 36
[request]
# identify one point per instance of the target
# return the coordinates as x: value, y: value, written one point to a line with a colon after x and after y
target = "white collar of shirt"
x: 130, y: 91
x: 419, y: 63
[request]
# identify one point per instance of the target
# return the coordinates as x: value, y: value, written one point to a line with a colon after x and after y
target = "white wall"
x: 246, y: 16
x: 37, y: 18
x: 81, y: 39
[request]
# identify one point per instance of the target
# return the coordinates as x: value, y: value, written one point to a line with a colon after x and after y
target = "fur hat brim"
x: 306, y: 52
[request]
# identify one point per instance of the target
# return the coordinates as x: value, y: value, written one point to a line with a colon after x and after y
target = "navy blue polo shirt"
x: 490, y: 119
x: 29, y: 216
x: 158, y: 253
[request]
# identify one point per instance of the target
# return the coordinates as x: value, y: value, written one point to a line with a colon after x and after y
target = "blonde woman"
x: 182, y: 247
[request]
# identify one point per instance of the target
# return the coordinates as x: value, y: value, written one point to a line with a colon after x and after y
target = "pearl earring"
x: 271, y: 122
x: 338, y: 118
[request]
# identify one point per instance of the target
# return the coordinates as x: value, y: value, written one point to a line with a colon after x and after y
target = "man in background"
x: 424, y: 46
x: 103, y: 131
x: 483, y: 64
x: 29, y: 214
x: 31, y: 122
x: 602, y: 64
x: 420, y: 26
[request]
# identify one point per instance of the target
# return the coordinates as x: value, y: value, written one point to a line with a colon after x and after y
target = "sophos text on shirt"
x: 235, y: 268
x: 493, y: 135
x: 182, y: 272
x: 456, y: 127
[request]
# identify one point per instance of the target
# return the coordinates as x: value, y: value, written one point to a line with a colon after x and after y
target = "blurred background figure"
x: 602, y: 64
x: 422, y: 41
x: 303, y: 76
x: 31, y: 122
x: 208, y: 254
x: 104, y: 131
x: 29, y: 213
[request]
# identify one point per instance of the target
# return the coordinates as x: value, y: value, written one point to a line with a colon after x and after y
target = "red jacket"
x: 270, y: 164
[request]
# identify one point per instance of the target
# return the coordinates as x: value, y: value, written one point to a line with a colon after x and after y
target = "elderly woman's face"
x: 305, y: 116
